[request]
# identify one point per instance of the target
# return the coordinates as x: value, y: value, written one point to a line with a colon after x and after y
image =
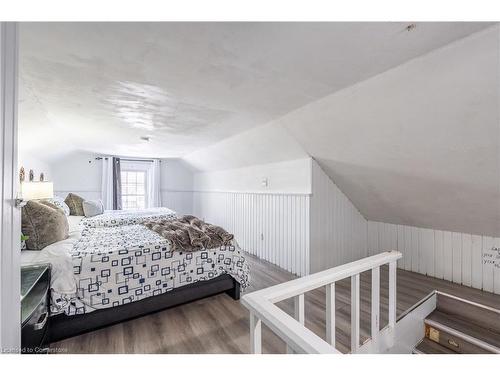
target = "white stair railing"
x: 297, y: 337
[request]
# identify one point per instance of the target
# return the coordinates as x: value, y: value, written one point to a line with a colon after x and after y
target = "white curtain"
x: 154, y: 180
x: 107, y: 183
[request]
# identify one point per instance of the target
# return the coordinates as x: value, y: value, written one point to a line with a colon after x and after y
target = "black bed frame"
x: 63, y: 326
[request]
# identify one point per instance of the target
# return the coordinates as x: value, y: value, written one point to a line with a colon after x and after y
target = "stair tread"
x: 482, y: 315
x: 468, y: 328
x: 427, y: 346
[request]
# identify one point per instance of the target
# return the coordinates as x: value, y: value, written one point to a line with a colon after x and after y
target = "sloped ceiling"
x: 419, y: 144
x: 260, y: 145
x: 100, y: 87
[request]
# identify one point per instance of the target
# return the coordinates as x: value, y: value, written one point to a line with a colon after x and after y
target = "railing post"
x: 299, y: 308
x: 392, y: 294
x: 255, y: 334
x: 299, y: 314
x: 330, y: 314
x: 354, y: 313
x: 375, y: 303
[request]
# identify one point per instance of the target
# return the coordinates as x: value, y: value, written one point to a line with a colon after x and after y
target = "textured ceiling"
x: 101, y: 86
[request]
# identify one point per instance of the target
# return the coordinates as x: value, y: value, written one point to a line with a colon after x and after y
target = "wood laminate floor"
x: 221, y: 325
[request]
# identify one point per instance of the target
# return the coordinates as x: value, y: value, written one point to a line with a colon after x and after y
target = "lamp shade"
x: 37, y: 190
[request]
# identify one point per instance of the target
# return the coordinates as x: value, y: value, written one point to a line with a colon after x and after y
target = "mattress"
x: 58, y: 255
x: 111, y: 266
x: 112, y: 218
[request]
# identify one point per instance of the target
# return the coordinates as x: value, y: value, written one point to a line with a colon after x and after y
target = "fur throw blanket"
x: 188, y: 233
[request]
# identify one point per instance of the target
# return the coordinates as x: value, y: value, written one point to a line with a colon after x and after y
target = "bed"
x: 111, y: 218
x: 104, y: 275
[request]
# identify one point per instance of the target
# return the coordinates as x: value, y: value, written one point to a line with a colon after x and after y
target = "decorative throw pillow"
x: 59, y: 202
x: 43, y: 223
x: 75, y: 204
x: 93, y: 208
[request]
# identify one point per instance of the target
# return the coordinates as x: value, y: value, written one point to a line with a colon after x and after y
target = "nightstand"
x: 35, y: 289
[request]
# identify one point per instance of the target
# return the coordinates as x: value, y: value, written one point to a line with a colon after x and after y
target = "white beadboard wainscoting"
x: 274, y: 227
x: 338, y: 230
x: 463, y: 258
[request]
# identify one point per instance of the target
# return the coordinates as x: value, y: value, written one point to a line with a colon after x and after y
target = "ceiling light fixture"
x: 411, y: 27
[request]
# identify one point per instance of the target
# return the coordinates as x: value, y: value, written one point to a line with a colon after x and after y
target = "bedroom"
x: 305, y: 201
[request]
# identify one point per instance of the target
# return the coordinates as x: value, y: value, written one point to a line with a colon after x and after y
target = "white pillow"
x: 93, y: 208
x: 59, y: 202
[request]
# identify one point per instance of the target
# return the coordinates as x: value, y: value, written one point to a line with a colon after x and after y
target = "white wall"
x: 338, y: 230
x: 28, y: 161
x: 79, y: 173
x: 463, y: 258
x: 288, y: 177
x: 177, y: 185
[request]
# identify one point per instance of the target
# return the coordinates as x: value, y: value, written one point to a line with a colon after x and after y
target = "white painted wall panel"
x: 488, y: 267
x: 448, y: 256
x: 414, y: 250
x: 463, y: 258
x: 407, y: 244
x: 422, y: 249
x: 373, y: 246
x: 274, y: 227
x: 477, y: 262
x: 456, y: 239
x: 388, y: 238
x: 496, y: 270
x: 401, y: 245
x: 426, y: 248
x: 338, y: 230
x: 438, y: 254
x: 466, y: 259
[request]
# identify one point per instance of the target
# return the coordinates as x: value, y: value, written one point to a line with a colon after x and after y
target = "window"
x: 133, y: 190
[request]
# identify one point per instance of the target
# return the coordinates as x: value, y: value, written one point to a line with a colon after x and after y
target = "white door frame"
x: 10, y: 219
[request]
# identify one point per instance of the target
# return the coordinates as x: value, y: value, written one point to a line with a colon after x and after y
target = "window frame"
x: 131, y: 169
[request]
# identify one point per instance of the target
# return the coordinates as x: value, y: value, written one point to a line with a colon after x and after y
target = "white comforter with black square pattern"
x: 112, y: 266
